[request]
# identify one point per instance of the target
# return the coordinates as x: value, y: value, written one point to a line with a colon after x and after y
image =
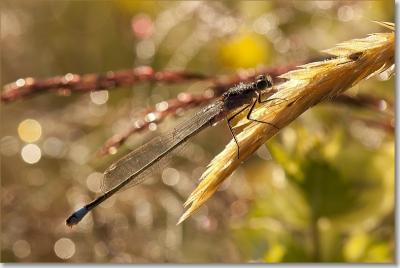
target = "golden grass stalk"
x: 314, y: 83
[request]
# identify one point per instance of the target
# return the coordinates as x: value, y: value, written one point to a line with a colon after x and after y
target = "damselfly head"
x: 263, y: 82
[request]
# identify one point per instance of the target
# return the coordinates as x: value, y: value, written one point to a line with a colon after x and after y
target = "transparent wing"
x: 150, y: 158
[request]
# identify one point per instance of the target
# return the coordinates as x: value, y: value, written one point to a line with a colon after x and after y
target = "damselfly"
x: 155, y: 155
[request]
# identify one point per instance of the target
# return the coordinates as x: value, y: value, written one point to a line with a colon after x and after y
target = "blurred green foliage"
x: 338, y: 195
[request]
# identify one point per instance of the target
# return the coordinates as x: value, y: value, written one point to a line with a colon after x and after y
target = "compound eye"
x: 263, y: 82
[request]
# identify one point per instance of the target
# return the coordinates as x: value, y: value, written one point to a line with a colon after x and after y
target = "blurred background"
x: 321, y: 191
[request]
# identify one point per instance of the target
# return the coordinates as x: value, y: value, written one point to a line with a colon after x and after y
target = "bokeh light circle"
x: 29, y: 130
x: 21, y: 249
x: 31, y: 153
x: 64, y: 248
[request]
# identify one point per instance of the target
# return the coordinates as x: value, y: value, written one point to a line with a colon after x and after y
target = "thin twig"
x: 369, y: 102
x: 23, y: 88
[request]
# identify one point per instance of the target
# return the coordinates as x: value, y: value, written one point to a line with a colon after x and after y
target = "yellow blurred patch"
x: 245, y: 51
x: 276, y: 253
x: 378, y: 253
x: 355, y: 247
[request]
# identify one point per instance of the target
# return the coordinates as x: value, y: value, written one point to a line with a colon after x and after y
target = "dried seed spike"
x: 316, y: 82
